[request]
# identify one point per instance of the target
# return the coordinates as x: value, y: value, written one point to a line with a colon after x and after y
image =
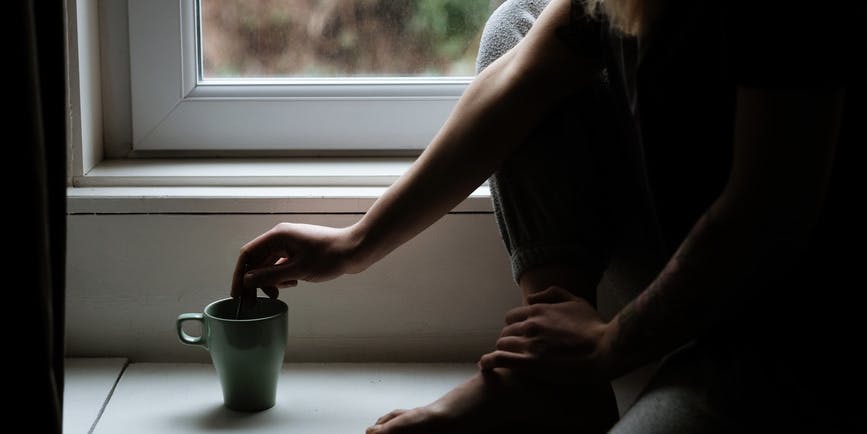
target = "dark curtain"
x: 36, y: 239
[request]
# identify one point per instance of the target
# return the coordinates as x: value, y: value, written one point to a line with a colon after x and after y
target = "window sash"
x: 173, y: 109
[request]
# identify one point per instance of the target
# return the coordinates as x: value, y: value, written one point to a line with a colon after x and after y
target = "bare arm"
x: 496, y: 113
x: 784, y: 146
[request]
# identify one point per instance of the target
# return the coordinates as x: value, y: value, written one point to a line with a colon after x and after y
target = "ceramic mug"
x: 247, y: 352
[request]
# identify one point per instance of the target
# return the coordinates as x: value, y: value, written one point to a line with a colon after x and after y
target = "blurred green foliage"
x: 449, y: 24
x: 273, y: 38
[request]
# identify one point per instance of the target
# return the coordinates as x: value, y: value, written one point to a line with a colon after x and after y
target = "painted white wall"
x: 441, y: 297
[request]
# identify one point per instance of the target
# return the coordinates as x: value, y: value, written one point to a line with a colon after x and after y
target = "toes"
x: 391, y: 415
x: 418, y: 421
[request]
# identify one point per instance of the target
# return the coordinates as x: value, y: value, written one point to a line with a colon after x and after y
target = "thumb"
x: 554, y: 294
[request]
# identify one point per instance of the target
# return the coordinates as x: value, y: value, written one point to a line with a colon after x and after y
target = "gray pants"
x: 566, y: 196
x: 574, y: 192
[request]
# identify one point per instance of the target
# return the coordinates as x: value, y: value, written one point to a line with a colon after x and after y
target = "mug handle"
x: 184, y: 337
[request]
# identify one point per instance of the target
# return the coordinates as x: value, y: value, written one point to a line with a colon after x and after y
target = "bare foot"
x: 498, y: 402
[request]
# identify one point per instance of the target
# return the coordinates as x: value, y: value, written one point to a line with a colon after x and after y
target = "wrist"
x: 612, y: 360
x: 623, y: 350
x: 357, y: 247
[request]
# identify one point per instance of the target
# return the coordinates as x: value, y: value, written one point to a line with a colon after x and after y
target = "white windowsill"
x: 311, y: 398
x: 245, y: 172
x: 87, y: 388
x: 273, y: 185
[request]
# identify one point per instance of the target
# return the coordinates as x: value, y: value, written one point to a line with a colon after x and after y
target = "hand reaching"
x: 291, y: 252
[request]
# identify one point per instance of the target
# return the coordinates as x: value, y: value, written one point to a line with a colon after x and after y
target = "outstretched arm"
x: 496, y: 113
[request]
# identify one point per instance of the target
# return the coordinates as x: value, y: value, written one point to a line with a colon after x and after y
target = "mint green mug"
x: 247, y: 352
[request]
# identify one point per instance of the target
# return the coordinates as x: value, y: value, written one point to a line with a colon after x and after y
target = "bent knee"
x: 506, y: 26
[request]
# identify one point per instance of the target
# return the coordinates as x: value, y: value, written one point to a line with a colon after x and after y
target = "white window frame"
x: 108, y: 175
x: 172, y: 109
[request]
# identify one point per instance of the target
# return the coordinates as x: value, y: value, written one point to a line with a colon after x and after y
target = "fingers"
x: 506, y: 359
x: 527, y: 328
x: 518, y: 314
x: 538, y: 347
x: 553, y: 294
x: 255, y: 254
x: 274, y: 291
x: 271, y: 291
x: 285, y: 274
x: 513, y: 344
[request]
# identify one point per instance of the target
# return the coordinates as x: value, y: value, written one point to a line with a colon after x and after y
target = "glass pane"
x: 341, y: 38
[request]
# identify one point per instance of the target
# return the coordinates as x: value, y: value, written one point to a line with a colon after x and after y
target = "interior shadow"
x: 220, y: 418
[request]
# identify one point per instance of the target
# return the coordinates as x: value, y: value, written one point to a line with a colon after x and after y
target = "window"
x: 226, y: 75
x: 316, y: 39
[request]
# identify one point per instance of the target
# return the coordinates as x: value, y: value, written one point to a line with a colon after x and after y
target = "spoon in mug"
x: 238, y: 309
x: 240, y: 298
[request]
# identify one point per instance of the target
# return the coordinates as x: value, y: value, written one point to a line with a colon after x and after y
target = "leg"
x: 715, y: 385
x: 682, y: 397
x: 561, y: 199
x: 555, y: 233
x: 496, y: 402
x: 718, y: 385
x: 549, y: 213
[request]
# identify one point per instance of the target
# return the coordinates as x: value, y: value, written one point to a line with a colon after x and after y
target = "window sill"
x: 290, y: 185
x: 109, y: 396
x: 311, y: 398
x: 87, y: 388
